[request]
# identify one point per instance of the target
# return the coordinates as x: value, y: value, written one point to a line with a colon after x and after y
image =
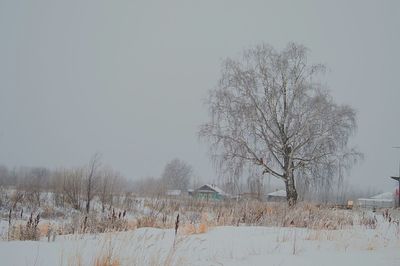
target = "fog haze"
x: 128, y: 78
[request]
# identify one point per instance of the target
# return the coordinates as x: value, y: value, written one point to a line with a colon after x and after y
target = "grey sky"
x: 127, y: 78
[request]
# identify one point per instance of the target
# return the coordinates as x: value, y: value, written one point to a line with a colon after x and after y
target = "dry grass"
x: 197, y: 216
x: 114, y: 249
x: 188, y: 229
x: 192, y: 229
x: 44, y: 229
x: 75, y: 260
x: 247, y: 213
x: 25, y: 230
x: 320, y: 235
x: 106, y: 260
x: 202, y: 229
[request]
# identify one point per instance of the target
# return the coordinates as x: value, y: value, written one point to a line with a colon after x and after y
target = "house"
x: 277, y: 196
x: 384, y: 200
x: 208, y: 191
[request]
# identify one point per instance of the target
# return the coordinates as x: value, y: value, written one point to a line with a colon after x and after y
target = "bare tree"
x: 36, y: 181
x: 91, y: 179
x: 110, y: 182
x: 72, y: 186
x: 177, y: 175
x: 4, y: 175
x: 270, y: 113
x: 57, y: 187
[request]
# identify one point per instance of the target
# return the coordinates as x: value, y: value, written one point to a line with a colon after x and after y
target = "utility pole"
x: 398, y: 179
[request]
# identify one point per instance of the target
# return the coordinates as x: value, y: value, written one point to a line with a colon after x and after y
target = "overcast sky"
x: 128, y: 78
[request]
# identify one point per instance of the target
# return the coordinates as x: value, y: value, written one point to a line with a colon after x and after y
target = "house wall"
x: 206, y: 196
x: 370, y: 203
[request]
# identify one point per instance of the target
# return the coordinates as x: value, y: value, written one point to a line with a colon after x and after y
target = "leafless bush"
x: 95, y: 223
x: 113, y: 223
x: 49, y: 212
x: 368, y: 221
x: 147, y: 221
x: 30, y: 231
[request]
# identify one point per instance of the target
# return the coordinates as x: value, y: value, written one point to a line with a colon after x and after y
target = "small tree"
x: 72, y: 186
x: 92, y: 179
x: 270, y: 113
x: 36, y: 180
x: 109, y: 181
x: 4, y: 175
x: 177, y: 175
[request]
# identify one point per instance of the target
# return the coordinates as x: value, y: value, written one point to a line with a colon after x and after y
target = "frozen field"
x: 227, y: 245
x: 209, y: 233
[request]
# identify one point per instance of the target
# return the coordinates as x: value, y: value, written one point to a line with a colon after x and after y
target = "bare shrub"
x: 368, y: 221
x: 49, y: 212
x: 30, y: 231
x: 147, y: 221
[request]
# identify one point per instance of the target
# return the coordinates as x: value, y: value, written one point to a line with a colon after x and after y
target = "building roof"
x: 208, y: 188
x: 386, y: 195
x: 375, y: 200
x: 383, y: 197
x: 278, y: 193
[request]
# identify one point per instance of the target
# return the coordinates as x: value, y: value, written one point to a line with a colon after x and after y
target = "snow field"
x: 227, y: 245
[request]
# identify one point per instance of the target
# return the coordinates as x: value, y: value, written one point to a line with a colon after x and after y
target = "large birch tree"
x: 271, y: 113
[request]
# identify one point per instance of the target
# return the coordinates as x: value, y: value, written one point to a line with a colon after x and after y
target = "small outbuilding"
x: 383, y: 200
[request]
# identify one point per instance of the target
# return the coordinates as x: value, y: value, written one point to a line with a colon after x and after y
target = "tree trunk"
x: 89, y: 193
x: 291, y: 193
x: 88, y: 206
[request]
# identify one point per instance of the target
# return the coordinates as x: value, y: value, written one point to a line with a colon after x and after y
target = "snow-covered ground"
x: 243, y: 245
x: 365, y: 237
